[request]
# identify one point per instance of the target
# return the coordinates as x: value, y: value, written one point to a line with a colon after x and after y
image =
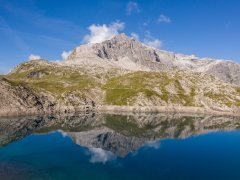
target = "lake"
x: 126, y: 146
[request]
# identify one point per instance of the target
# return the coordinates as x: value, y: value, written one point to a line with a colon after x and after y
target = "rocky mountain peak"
x: 122, y: 37
x: 119, y: 52
x: 124, y: 52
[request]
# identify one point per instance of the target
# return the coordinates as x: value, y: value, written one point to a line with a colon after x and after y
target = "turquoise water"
x: 121, y: 147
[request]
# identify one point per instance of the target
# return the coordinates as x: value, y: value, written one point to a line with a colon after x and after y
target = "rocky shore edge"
x: 122, y: 109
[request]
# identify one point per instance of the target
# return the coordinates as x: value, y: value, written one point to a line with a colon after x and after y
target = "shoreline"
x: 124, y: 109
x: 165, y: 109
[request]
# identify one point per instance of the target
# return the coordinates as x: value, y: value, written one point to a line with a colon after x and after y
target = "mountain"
x: 122, y: 73
x: 127, y: 53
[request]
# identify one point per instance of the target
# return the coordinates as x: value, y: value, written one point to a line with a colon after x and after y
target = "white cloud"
x: 100, y: 33
x: 65, y: 54
x: 148, y: 39
x: 135, y: 36
x: 156, y: 43
x: 164, y: 19
x: 33, y: 57
x: 152, y: 41
x: 131, y: 7
x: 99, y: 155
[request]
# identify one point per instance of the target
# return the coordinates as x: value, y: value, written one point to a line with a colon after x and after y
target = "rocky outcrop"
x: 127, y: 53
x: 121, y: 52
x: 19, y: 98
x: 225, y: 70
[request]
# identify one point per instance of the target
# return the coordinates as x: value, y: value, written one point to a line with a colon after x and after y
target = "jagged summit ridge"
x: 120, y: 51
x: 127, y: 53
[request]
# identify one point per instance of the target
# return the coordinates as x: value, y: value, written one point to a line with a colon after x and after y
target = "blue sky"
x: 47, y: 28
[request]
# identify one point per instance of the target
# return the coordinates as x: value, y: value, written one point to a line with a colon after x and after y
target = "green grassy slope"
x: 162, y: 88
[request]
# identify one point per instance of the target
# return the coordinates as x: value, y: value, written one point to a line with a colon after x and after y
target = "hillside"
x: 120, y: 72
x: 44, y: 86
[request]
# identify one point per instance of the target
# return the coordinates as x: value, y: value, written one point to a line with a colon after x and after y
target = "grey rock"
x: 127, y: 53
x: 36, y: 74
x: 225, y: 70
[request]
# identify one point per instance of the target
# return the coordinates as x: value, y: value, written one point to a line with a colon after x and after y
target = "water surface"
x: 140, y: 146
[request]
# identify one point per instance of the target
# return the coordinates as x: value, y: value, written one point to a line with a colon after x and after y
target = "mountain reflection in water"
x: 126, y: 146
x: 110, y: 135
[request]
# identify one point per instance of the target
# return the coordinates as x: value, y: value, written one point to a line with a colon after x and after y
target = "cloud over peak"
x: 33, y: 57
x: 156, y: 43
x: 148, y: 39
x: 135, y: 36
x: 152, y: 41
x: 100, y: 33
x: 65, y: 54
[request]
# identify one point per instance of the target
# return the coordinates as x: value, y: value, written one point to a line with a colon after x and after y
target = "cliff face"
x: 17, y: 98
x: 127, y: 53
x: 225, y: 70
x: 122, y: 72
x: 119, y: 52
